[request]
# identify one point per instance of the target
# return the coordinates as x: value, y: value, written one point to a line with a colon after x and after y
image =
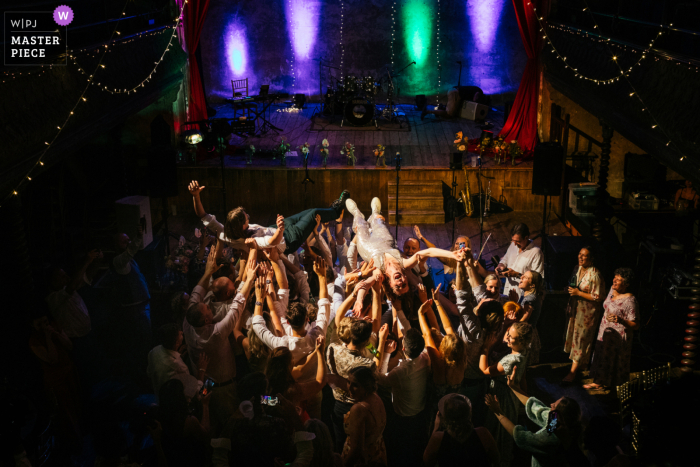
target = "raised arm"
x: 279, y: 233
x: 195, y: 190
x: 344, y: 307
x: 429, y: 253
x: 446, y: 324
x: 421, y: 238
x: 376, y: 306
x: 424, y: 327
x: 273, y: 255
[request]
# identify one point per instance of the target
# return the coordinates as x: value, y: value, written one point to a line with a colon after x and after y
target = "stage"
x: 425, y: 150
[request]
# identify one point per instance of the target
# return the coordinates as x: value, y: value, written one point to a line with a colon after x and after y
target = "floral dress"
x: 611, y: 361
x: 584, y: 316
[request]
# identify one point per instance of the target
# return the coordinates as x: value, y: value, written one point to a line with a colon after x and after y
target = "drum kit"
x: 354, y: 98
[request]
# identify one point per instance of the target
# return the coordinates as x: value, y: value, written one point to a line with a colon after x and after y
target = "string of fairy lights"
x: 293, y: 41
x: 624, y: 75
x: 342, y: 46
x: 437, y: 56
x: 81, y: 99
x: 393, y: 31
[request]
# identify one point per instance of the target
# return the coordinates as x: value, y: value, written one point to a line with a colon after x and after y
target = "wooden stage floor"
x: 428, y: 143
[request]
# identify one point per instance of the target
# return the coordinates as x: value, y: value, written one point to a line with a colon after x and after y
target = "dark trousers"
x: 298, y: 227
x: 406, y: 438
x: 338, y: 418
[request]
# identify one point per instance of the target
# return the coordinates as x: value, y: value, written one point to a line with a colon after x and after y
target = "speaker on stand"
x: 547, y: 170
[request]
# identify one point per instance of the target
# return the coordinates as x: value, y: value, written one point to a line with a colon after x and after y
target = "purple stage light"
x: 486, y: 67
x: 302, y: 19
x: 484, y: 18
x: 237, y: 47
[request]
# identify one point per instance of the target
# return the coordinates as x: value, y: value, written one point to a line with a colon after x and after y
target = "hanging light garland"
x: 545, y: 36
x: 40, y: 162
x: 292, y: 41
x: 393, y: 32
x: 655, y: 123
x: 342, y: 46
x: 437, y: 56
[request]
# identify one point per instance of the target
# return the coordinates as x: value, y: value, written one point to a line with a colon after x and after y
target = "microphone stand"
x: 481, y: 199
x: 398, y: 168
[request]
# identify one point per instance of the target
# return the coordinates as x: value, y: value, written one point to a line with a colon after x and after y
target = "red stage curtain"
x: 522, y: 120
x: 193, y: 20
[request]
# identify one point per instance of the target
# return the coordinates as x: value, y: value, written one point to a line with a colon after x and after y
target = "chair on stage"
x: 240, y: 96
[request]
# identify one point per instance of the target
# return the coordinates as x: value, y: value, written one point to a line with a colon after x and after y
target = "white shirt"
x: 530, y: 259
x: 300, y: 347
x: 164, y: 365
x: 213, y: 339
x: 122, y: 262
x: 70, y: 312
x: 408, y: 382
x: 262, y: 235
x: 219, y: 309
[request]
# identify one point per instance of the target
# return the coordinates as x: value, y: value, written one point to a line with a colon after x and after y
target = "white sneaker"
x: 376, y: 206
x: 352, y: 208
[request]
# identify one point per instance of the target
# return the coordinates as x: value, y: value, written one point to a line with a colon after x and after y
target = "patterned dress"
x: 611, y: 361
x: 374, y: 448
x: 584, y: 316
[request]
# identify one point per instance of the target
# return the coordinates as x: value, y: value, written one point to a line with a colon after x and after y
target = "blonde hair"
x: 493, y: 277
x: 468, y: 242
x: 257, y: 347
x: 453, y: 350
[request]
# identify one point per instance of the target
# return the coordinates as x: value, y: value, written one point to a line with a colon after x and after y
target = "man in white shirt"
x: 522, y: 256
x: 165, y: 362
x: 405, y: 435
x: 300, y: 341
x: 204, y: 336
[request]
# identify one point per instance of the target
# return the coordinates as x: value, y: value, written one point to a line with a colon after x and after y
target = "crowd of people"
x: 307, y: 344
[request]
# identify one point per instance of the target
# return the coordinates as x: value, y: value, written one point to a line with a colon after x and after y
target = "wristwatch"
x: 258, y: 303
x: 359, y: 275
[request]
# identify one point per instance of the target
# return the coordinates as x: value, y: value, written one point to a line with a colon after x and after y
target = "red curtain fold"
x: 522, y: 120
x: 193, y: 18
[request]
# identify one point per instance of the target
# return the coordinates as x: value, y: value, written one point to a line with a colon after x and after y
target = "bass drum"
x: 359, y: 112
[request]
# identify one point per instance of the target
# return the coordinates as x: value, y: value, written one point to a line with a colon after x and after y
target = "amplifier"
x: 473, y: 111
x: 243, y: 126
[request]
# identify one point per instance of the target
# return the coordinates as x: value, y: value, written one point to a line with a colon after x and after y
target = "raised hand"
x: 510, y: 379
x: 318, y: 222
x: 272, y: 254
x: 390, y: 346
x: 513, y: 295
x: 251, y: 269
x: 320, y: 267
x: 416, y: 232
x: 436, y: 293
x: 260, y: 289
x: 194, y: 188
x: 203, y: 361
x: 280, y: 222
x: 422, y: 293
x: 211, y: 266
x: 251, y: 243
x: 93, y: 255
x: 366, y: 268
x: 320, y: 341
x: 383, y: 332
x: 493, y: 404
x: 425, y: 306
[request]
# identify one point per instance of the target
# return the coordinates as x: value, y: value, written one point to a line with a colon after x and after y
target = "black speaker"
x: 456, y: 161
x: 546, y: 169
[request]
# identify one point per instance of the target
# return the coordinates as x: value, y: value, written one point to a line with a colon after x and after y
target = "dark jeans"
x: 338, y: 418
x: 298, y: 227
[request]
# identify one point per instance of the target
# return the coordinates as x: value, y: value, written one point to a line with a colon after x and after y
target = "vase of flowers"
x: 379, y: 153
x: 304, y: 150
x: 324, y: 152
x: 282, y: 150
x: 349, y: 152
x: 461, y: 143
x: 514, y: 150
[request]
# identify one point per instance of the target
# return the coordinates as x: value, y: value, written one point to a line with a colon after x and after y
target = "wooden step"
x: 410, y: 187
x: 419, y: 202
x: 409, y: 217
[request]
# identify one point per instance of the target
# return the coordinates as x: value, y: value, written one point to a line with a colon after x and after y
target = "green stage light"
x: 418, y: 30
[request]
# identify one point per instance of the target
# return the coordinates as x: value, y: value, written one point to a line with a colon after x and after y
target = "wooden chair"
x: 240, y: 87
x: 651, y: 377
x: 625, y: 393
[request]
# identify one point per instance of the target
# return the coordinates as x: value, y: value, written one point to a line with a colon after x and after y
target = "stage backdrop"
x: 276, y: 41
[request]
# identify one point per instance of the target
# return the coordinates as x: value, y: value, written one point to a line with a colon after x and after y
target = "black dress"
x: 453, y: 453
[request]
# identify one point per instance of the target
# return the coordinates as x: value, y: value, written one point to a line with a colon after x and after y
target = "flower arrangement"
x: 304, y: 149
x: 281, y: 150
x: 249, y: 152
x: 349, y: 151
x: 379, y: 152
x: 461, y: 143
x: 179, y: 259
x: 324, y: 151
x: 514, y: 150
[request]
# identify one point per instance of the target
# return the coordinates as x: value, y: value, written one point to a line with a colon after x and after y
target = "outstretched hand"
x: 436, y: 293
x: 493, y: 404
x: 320, y: 266
x: 260, y: 289
x: 211, y: 266
x: 194, y: 188
x: 422, y: 293
x: 416, y: 232
x: 280, y: 222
